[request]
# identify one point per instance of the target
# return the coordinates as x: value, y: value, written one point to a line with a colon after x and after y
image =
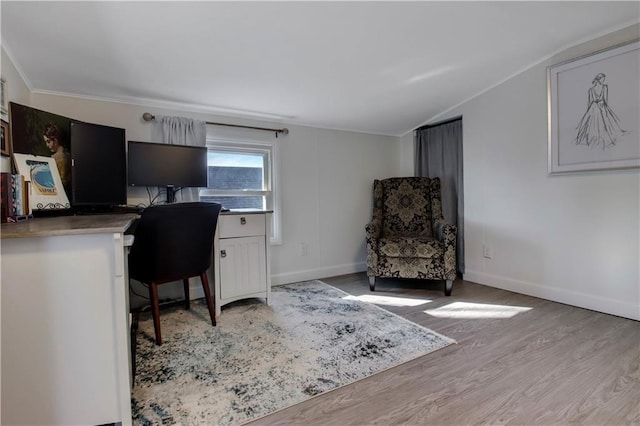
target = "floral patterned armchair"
x: 407, y: 236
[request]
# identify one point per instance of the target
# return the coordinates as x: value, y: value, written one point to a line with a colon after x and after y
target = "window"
x: 243, y: 175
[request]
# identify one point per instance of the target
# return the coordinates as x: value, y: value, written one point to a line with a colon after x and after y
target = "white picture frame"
x: 45, y: 185
x: 4, y: 100
x: 593, y: 110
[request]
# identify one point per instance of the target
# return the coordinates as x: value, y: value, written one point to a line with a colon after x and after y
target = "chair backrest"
x: 173, y: 241
x: 407, y: 206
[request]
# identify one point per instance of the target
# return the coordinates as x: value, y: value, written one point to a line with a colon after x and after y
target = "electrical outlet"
x: 486, y: 251
x: 304, y: 249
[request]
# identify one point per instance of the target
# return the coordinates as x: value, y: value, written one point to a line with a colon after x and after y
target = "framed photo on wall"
x: 593, y: 111
x: 5, y: 139
x: 4, y: 98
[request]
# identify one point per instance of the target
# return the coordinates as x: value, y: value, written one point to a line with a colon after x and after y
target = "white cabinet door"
x: 242, y: 266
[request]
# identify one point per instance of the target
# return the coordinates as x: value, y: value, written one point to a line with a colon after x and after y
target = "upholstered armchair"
x: 407, y: 236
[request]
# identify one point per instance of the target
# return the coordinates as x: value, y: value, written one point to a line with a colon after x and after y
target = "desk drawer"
x: 241, y: 225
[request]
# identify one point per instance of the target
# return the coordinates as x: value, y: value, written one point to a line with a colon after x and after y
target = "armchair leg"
x: 372, y: 283
x: 448, y: 286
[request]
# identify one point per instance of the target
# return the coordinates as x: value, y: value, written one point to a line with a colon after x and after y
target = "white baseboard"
x: 573, y: 298
x: 317, y: 273
x: 195, y: 288
x: 582, y: 300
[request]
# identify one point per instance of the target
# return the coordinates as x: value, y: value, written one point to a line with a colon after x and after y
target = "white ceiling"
x: 376, y: 67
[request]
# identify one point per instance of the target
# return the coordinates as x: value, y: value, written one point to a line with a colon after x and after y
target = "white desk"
x: 65, y: 311
x: 65, y: 339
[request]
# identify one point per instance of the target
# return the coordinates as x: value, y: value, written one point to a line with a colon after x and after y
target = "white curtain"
x: 180, y: 131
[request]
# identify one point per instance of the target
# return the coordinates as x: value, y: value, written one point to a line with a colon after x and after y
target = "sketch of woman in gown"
x: 599, y: 126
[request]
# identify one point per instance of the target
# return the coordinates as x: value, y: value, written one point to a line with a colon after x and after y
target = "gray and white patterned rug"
x: 259, y: 359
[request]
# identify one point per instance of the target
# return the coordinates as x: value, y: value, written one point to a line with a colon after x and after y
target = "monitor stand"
x: 93, y: 210
x: 171, y: 194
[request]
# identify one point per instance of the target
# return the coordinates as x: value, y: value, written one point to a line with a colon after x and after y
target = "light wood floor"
x: 552, y: 364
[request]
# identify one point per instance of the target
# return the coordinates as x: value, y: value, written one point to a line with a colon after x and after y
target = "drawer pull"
x: 243, y: 221
x: 223, y: 253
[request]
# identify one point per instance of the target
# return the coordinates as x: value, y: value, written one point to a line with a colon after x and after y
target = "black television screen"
x: 157, y: 164
x: 99, y: 165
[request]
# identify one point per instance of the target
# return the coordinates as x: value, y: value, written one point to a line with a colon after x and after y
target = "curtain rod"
x: 440, y: 123
x: 150, y: 117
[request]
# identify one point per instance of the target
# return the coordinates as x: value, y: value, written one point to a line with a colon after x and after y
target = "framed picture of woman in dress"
x: 594, y: 110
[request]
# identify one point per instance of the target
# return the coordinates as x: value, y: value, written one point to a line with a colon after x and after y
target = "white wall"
x: 326, y: 179
x: 573, y: 239
x: 17, y: 91
x: 326, y: 182
x: 569, y: 238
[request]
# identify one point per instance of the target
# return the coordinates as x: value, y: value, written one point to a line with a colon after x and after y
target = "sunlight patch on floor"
x: 388, y: 300
x: 466, y: 310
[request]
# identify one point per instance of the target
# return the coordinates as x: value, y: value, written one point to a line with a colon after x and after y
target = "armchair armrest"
x: 444, y: 231
x: 447, y: 234
x: 373, y: 231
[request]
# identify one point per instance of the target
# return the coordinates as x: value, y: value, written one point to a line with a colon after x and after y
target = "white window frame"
x: 271, y: 176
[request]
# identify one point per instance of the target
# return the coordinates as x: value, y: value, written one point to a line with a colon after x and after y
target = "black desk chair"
x: 174, y: 242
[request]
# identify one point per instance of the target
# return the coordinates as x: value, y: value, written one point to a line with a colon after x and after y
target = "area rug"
x: 312, y: 338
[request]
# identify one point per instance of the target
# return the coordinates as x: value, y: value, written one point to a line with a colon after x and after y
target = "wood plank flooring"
x: 519, y: 360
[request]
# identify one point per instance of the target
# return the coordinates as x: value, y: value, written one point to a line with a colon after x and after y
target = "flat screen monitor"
x: 171, y: 166
x: 98, y: 165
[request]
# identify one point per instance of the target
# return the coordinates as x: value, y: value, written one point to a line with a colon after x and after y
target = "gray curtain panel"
x: 439, y: 154
x: 180, y: 131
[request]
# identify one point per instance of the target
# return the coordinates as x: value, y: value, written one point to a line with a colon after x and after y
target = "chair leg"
x: 448, y: 286
x: 187, y: 299
x: 134, y: 344
x: 211, y: 304
x: 372, y: 283
x: 155, y: 311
